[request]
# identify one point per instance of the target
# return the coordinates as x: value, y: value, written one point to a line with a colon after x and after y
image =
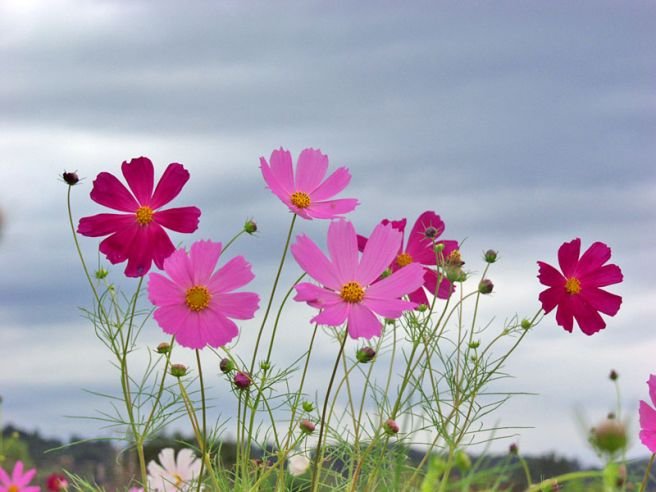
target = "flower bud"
x: 431, y: 232
x: 71, y: 179
x: 439, y: 247
x: 307, y: 426
x: 526, y: 324
x: 613, y: 375
x: 226, y: 365
x: 265, y: 366
x: 455, y: 274
x: 609, y: 436
x: 490, y: 256
x: 242, y: 380
x: 474, y: 344
x: 390, y: 427
x: 513, y: 449
x: 421, y: 308
x: 101, y: 273
x: 485, y: 286
x: 178, y: 370
x: 163, y: 348
x: 250, y: 226
x: 365, y: 354
x: 308, y: 406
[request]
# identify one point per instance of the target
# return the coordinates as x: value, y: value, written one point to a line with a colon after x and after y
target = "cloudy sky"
x: 523, y: 124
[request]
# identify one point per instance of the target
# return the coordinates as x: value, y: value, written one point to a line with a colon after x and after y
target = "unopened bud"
x: 439, y: 247
x: 474, y: 344
x: 307, y: 426
x: 390, y: 427
x: 101, y: 273
x: 163, y: 348
x: 250, y: 226
x: 613, y: 375
x: 265, y: 366
x: 178, y: 370
x: 609, y: 436
x: 421, y: 308
x: 226, y: 365
x: 308, y: 406
x: 242, y: 380
x: 513, y: 449
x: 525, y: 324
x: 455, y: 274
x: 485, y: 286
x: 490, y: 256
x: 70, y: 178
x: 365, y: 354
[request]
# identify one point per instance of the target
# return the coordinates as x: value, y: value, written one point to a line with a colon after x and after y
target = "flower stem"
x: 645, y: 480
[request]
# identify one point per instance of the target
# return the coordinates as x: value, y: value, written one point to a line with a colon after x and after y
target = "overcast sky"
x: 523, y: 124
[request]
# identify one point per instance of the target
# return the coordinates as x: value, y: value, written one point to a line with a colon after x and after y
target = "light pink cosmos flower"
x: 171, y: 474
x: 648, y: 417
x: 196, y: 303
x: 138, y: 235
x: 18, y: 481
x: 420, y: 249
x: 350, y: 291
x: 576, y: 291
x: 305, y: 192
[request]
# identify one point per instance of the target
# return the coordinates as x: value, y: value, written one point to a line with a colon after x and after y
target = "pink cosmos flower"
x: 350, y: 291
x: 420, y: 249
x: 306, y: 193
x: 196, y: 303
x: 576, y: 291
x: 648, y: 417
x: 18, y: 481
x: 173, y: 475
x: 138, y: 235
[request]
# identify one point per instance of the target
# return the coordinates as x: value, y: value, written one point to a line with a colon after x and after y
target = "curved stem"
x: 645, y: 480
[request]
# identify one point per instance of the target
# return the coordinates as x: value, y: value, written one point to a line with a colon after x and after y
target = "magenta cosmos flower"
x: 648, y: 417
x: 305, y: 192
x: 196, y: 303
x: 420, y: 249
x: 576, y: 291
x: 348, y: 291
x: 18, y: 481
x: 138, y: 235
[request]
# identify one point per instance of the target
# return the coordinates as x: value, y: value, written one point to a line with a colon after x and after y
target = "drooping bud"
x: 70, y: 178
x: 485, y: 286
x: 250, y: 226
x: 178, y: 370
x: 307, y: 426
x: 308, y: 406
x: 490, y: 256
x: 390, y: 427
x: 226, y: 365
x: 163, y: 348
x: 242, y: 380
x: 365, y: 354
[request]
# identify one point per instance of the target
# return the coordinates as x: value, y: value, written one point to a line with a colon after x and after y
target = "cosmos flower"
x: 576, y: 291
x: 196, y: 303
x: 306, y: 192
x: 349, y: 289
x: 171, y: 474
x: 138, y: 234
x: 648, y: 417
x: 18, y: 481
x: 420, y: 249
x: 56, y: 482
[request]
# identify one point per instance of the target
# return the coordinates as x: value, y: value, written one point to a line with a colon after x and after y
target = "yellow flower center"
x: 403, y: 259
x: 300, y: 199
x: 454, y: 258
x: 573, y: 286
x: 352, y: 292
x: 13, y: 488
x: 198, y: 298
x: 144, y: 215
x: 178, y: 480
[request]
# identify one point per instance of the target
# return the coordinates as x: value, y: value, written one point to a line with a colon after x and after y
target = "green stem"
x: 203, y: 443
x: 645, y: 480
x: 566, y: 477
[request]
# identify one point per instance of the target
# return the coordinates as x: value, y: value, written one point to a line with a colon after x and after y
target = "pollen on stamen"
x: 144, y: 215
x: 300, y: 199
x: 198, y: 298
x: 352, y: 292
x: 572, y: 286
x: 403, y: 259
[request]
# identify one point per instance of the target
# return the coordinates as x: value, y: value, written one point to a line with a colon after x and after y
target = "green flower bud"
x: 250, y: 226
x: 101, y: 273
x: 226, y: 365
x: 307, y: 426
x: 265, y: 366
x: 163, y: 348
x: 365, y: 354
x: 526, y: 324
x: 390, y: 427
x: 490, y: 256
x: 178, y: 370
x: 308, y: 406
x: 485, y: 286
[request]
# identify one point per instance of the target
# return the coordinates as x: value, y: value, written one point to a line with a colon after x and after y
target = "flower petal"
x: 548, y: 275
x: 418, y: 297
x: 311, y: 168
x: 382, y: 247
x: 602, y: 301
x: 331, y: 209
x: 363, y: 323
x: 568, y: 256
x: 564, y: 314
x: 420, y: 246
x: 601, y: 277
x: 431, y: 278
x: 388, y: 308
x: 203, y: 257
x: 651, y: 382
x: 343, y: 248
x: 551, y: 297
x: 180, y: 219
x: 215, y: 329
x: 117, y: 246
x: 333, y: 315
x: 311, y: 259
x: 170, y: 184
x: 178, y: 267
x: 403, y: 281
x: 281, y: 168
x: 164, y: 292
x: 334, y: 184
x: 647, y: 426
x: 237, y: 305
x: 188, y: 464
x: 596, y: 255
x: 586, y: 316
x: 103, y: 224
x: 139, y: 174
x: 150, y: 244
x: 272, y: 182
x: 110, y: 192
x: 234, y: 274
x: 315, y: 296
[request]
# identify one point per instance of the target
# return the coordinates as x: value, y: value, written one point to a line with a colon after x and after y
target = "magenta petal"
x: 203, y: 257
x: 363, y: 323
x: 159, y: 244
x: 587, y: 318
x: 172, y: 181
x: 139, y: 174
x: 116, y: 247
x: 602, y: 301
x: 601, y: 277
x: 382, y: 247
x: 431, y: 278
x: 596, y: 255
x: 234, y: 274
x: 388, y: 308
x: 551, y: 297
x: 315, y: 296
x: 23, y: 479
x: 648, y: 426
x: 282, y: 169
x: 104, y: 224
x: 4, y: 478
x: 564, y: 314
x: 178, y: 267
x: 331, y: 209
x: 238, y: 305
x: 343, y: 247
x: 333, y: 315
x: 418, y: 297
x: 419, y: 246
x: 218, y: 330
x: 146, y: 243
x: 311, y: 259
x: 164, y: 292
x: 399, y: 283
x: 110, y: 192
x: 311, y: 168
x: 334, y: 184
x: 181, y: 219
x: 568, y: 256
x: 548, y: 275
x: 651, y: 382
x: 272, y: 182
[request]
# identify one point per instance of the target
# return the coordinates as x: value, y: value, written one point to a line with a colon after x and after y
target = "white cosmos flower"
x: 298, y: 464
x: 173, y: 475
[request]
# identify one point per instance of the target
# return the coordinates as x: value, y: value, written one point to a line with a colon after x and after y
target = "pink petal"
x: 548, y: 275
x: 117, y: 246
x: 281, y: 168
x: 167, y: 459
x: 157, y: 243
x: 551, y: 297
x: 103, y: 224
x: 564, y: 314
x: 648, y: 438
x: 647, y: 426
x: 331, y: 209
x: 311, y: 259
x: 140, y: 177
x: 651, y: 382
x: 388, y: 308
x: 272, y: 182
x: 188, y: 464
x: 362, y: 322
x: 170, y: 184
x: 4, y: 478
x: 110, y: 192
x: 311, y: 168
x: 381, y: 249
x: 602, y: 301
x: 343, y: 247
x: 238, y: 305
x: 178, y: 267
x: 419, y: 246
x: 333, y: 185
x: 181, y: 219
x: 140, y: 253
x: 601, y: 277
x: 17, y: 472
x: 431, y: 278
x: 23, y: 479
x: 316, y: 296
x: 203, y: 257
x: 586, y: 316
x: 595, y: 256
x: 234, y: 274
x: 333, y: 315
x: 164, y: 292
x: 568, y: 256
x: 215, y: 330
x: 418, y: 297
x: 403, y: 281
